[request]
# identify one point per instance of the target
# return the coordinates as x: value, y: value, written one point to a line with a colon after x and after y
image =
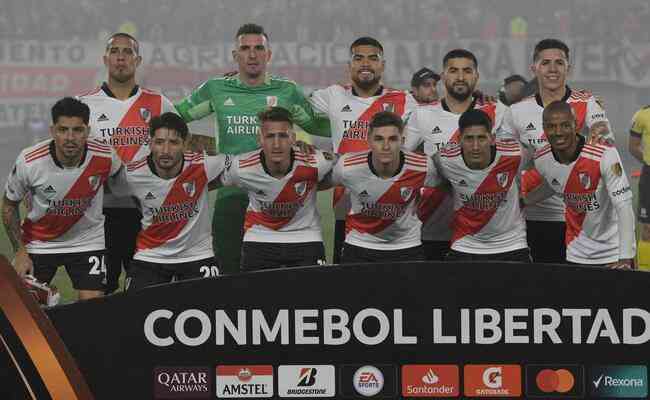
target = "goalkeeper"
x: 235, y: 101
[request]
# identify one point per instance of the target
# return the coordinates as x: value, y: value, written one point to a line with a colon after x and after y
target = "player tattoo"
x: 11, y: 220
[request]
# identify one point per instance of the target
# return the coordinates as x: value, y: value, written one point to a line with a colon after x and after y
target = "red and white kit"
x: 350, y: 117
x: 175, y: 212
x: 487, y: 217
x: 593, y: 187
x: 124, y: 124
x: 433, y: 126
x: 65, y: 204
x: 280, y: 210
x: 523, y: 122
x: 383, y: 215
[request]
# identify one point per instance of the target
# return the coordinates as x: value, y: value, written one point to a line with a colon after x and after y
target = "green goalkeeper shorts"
x: 228, y: 228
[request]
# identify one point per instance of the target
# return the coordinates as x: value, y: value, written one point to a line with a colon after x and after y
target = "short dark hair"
x: 459, y: 53
x: 275, y: 114
x: 386, y: 118
x: 251, y: 29
x: 557, y: 106
x: 170, y: 121
x: 126, y: 35
x: 70, y: 107
x: 366, y: 41
x: 546, y: 44
x: 474, y: 117
x: 515, y: 78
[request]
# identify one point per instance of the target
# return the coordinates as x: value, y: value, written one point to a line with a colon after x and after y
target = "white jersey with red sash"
x: 523, y: 122
x: 124, y: 124
x: 350, y: 117
x: 65, y: 204
x: 175, y: 212
x: 487, y: 217
x: 591, y: 186
x: 383, y: 215
x: 433, y: 126
x: 280, y: 210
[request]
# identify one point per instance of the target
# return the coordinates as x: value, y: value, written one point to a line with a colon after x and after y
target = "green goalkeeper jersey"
x: 235, y: 106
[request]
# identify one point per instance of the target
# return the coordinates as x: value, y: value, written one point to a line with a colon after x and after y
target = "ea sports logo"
x: 560, y: 380
x: 368, y: 381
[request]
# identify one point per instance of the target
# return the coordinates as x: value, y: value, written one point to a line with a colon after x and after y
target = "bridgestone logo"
x: 306, y: 391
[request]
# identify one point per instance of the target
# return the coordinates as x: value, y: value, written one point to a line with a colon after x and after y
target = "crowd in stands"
x: 326, y: 21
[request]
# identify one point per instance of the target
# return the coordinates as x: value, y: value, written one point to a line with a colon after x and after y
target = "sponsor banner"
x: 369, y: 380
x: 557, y: 381
x: 182, y: 383
x: 323, y: 316
x: 430, y: 380
x: 244, y: 381
x: 306, y: 381
x: 618, y: 381
x: 492, y: 380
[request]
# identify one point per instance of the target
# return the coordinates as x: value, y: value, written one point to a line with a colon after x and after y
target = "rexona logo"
x: 492, y: 380
x: 430, y: 381
x: 559, y: 381
x: 361, y: 381
x: 182, y: 383
x: 619, y: 381
x: 244, y: 381
x: 306, y: 381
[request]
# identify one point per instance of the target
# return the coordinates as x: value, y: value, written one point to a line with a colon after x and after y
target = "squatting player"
x: 282, y: 225
x: 63, y: 177
x: 591, y: 181
x: 235, y: 101
x: 384, y: 184
x: 171, y: 188
x: 488, y: 223
x: 120, y: 111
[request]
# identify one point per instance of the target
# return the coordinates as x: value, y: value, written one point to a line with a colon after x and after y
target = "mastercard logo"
x: 559, y: 380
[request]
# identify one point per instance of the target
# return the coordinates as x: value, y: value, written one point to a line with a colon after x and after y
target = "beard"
x: 122, y: 77
x: 366, y: 84
x: 460, y: 96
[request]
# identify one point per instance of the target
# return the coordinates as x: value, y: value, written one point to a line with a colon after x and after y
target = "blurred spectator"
x: 518, y: 28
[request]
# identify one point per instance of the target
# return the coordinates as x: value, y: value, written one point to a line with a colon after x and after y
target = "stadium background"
x: 49, y: 49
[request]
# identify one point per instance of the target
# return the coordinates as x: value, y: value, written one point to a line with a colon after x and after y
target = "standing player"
x: 120, y: 112
x: 488, y: 224
x: 423, y: 86
x: 591, y: 180
x: 433, y: 126
x: 545, y: 221
x: 171, y: 187
x: 640, y: 148
x: 282, y: 225
x: 384, y: 185
x: 235, y: 101
x: 350, y: 109
x: 64, y: 178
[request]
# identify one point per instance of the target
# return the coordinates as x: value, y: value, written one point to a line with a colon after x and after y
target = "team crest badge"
x: 388, y: 107
x: 502, y: 179
x: 94, y: 182
x: 145, y: 114
x: 585, y: 180
x: 300, y: 188
x: 189, y: 188
x: 405, y: 192
x: 271, y: 101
